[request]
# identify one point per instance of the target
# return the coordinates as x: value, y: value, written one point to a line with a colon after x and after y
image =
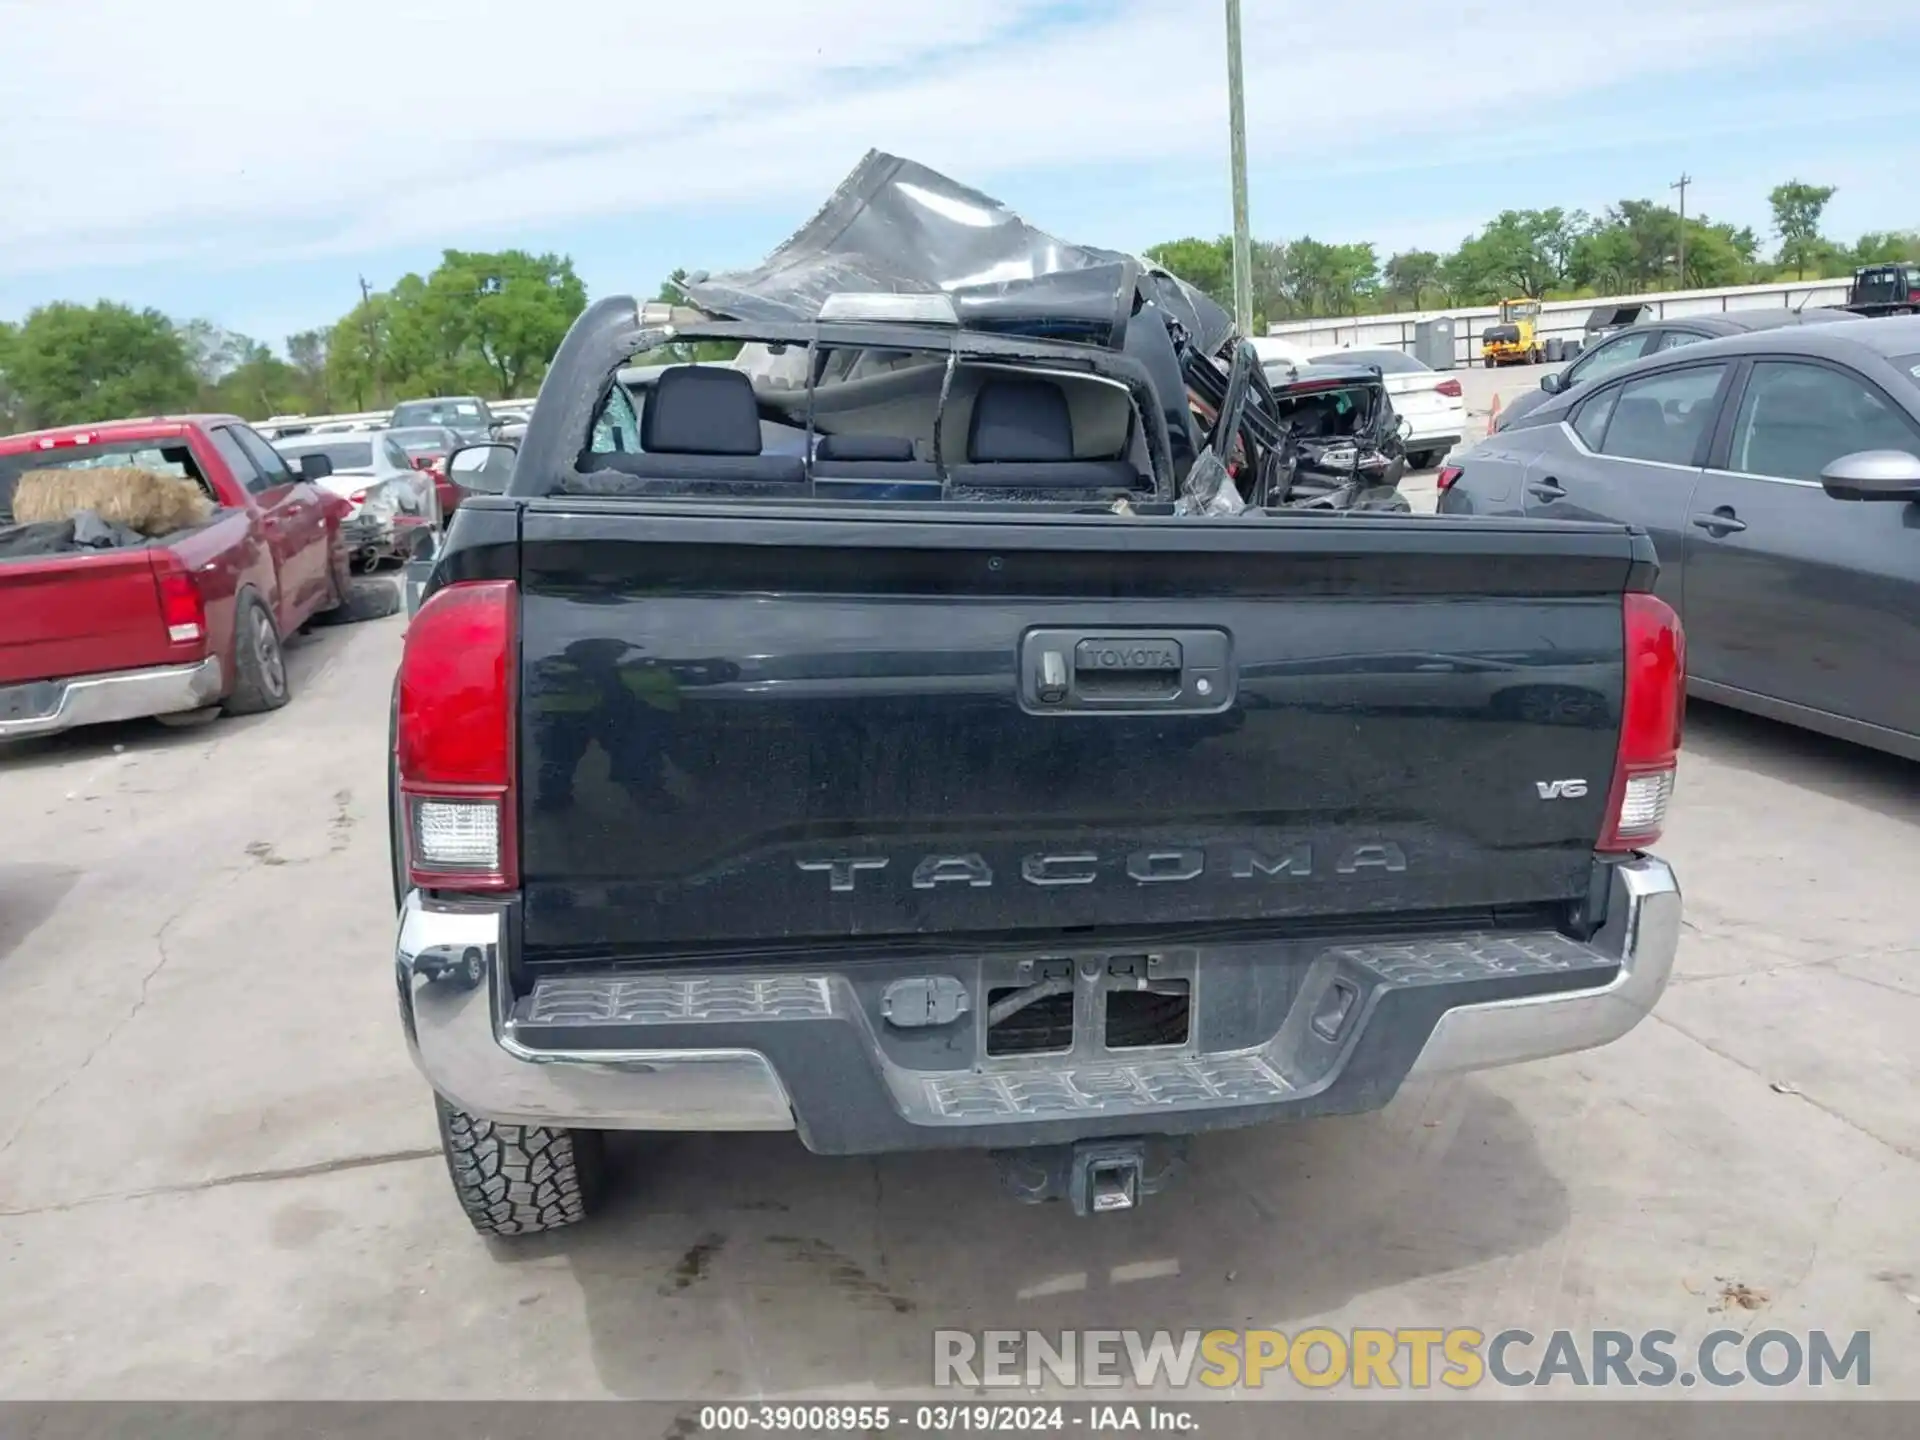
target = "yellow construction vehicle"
x: 1516, y: 339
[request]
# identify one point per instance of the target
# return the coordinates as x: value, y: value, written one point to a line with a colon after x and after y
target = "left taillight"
x: 454, y: 739
x: 183, y: 611
x: 1447, y: 476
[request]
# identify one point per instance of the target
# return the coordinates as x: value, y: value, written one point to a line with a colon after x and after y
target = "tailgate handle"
x: 1126, y: 670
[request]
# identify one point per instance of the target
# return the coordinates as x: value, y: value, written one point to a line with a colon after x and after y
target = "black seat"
x: 703, y: 423
x: 873, y: 467
x: 1639, y: 430
x: 1021, y: 438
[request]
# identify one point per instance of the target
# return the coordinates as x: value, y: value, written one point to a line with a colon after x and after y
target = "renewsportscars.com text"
x: 1414, y: 1359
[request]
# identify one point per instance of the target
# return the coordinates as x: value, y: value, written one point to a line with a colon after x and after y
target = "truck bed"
x: 96, y: 611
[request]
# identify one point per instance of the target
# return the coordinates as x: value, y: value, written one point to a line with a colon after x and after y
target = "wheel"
x: 520, y: 1179
x: 1487, y: 362
x: 259, y: 668
x: 1423, y: 459
x: 340, y: 581
x: 367, y: 599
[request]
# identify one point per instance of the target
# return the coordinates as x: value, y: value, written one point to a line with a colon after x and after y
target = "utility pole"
x: 1681, y: 185
x: 373, y: 344
x: 1237, y: 128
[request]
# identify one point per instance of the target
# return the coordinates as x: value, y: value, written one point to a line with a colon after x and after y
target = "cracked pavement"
x: 219, y: 1173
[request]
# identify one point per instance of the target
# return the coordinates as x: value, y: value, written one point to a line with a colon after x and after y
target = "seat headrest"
x: 865, y: 447
x: 1020, y: 420
x: 701, y: 410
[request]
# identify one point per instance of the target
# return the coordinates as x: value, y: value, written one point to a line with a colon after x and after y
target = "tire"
x: 259, y: 667
x: 1487, y: 361
x: 521, y: 1179
x: 340, y: 577
x: 1423, y: 459
x: 367, y: 599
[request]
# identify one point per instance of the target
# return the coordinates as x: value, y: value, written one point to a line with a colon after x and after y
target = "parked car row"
x: 392, y: 468
x: 390, y: 489
x: 1777, y: 468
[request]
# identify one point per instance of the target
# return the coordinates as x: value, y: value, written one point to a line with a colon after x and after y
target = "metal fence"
x: 1561, y: 319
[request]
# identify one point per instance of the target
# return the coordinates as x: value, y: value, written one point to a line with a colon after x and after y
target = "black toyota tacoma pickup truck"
x: 895, y: 758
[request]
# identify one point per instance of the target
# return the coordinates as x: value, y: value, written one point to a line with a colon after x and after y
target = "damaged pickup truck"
x: 947, y: 726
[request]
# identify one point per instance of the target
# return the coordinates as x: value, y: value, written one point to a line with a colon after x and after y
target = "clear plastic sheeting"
x: 894, y: 225
x: 1209, y: 489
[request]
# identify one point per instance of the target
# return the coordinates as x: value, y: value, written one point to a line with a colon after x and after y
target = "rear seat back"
x: 1021, y: 438
x: 703, y: 423
x: 872, y: 467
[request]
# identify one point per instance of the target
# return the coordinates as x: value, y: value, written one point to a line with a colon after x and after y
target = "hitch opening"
x: 1099, y: 1177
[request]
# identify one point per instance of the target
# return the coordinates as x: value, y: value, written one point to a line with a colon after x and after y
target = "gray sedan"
x: 1650, y: 337
x: 1746, y: 459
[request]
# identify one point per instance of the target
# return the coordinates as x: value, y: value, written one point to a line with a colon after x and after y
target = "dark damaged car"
x: 1345, y: 445
x: 945, y: 727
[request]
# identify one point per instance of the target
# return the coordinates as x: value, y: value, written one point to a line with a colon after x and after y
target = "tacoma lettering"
x: 1169, y: 865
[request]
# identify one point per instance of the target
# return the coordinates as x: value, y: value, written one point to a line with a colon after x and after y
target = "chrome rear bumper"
x: 1642, y: 931
x: 47, y: 706
x: 455, y: 1007
x: 799, y: 1051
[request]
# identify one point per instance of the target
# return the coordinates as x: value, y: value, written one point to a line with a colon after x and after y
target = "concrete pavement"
x: 219, y: 1175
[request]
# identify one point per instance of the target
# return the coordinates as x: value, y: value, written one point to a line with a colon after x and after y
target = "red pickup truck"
x: 173, y: 625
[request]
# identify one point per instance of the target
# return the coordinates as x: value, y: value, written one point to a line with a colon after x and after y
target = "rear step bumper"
x: 45, y: 706
x: 1344, y: 1025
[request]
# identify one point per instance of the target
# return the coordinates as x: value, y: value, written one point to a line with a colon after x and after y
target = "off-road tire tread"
x: 520, y: 1179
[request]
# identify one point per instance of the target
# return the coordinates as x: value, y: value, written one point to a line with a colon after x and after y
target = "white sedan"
x: 1432, y: 403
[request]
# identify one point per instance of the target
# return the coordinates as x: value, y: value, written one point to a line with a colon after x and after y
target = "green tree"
x: 70, y: 363
x: 1876, y: 247
x: 1604, y: 259
x: 259, y: 384
x: 1328, y: 279
x: 1797, y: 208
x: 1410, y: 275
x: 681, y: 352
x: 212, y: 350
x: 9, y: 402
x: 1520, y: 252
x: 508, y: 310
x: 1718, y: 254
x: 1269, y: 266
x: 1207, y: 265
x: 357, y: 366
x: 308, y: 353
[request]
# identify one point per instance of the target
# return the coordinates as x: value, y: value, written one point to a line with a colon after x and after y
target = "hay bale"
x: 119, y: 494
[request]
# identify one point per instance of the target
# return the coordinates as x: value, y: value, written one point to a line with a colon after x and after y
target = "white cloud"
x: 134, y: 132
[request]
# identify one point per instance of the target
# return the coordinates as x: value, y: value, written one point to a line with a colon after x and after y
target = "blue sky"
x: 701, y: 136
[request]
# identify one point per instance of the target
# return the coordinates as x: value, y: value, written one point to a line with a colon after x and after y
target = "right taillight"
x: 454, y: 739
x: 1449, y: 388
x: 182, y: 608
x: 1652, y: 714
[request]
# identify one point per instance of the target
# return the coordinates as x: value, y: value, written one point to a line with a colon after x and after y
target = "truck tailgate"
x: 750, y: 731
x: 80, y: 615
